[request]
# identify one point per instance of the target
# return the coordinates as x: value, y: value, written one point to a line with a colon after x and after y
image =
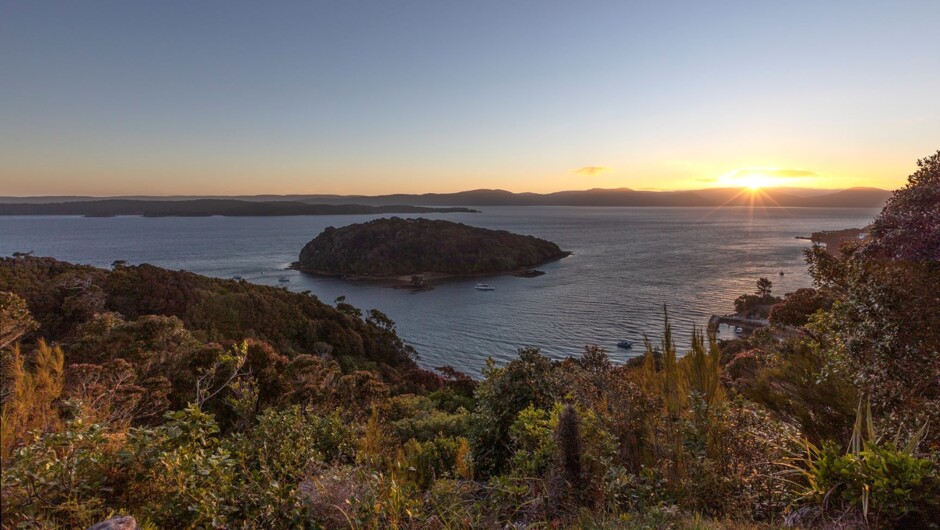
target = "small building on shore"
x: 726, y: 326
x: 832, y: 240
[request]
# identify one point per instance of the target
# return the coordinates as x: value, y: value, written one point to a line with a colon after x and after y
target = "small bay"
x: 627, y: 264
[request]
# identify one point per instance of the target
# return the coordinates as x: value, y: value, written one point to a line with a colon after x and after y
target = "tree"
x: 887, y: 289
x: 15, y: 320
x: 797, y: 308
x: 225, y: 370
x: 30, y: 394
x: 568, y: 457
x: 764, y: 287
x: 908, y: 228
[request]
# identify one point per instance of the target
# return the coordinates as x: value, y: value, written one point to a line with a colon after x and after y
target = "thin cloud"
x: 591, y: 170
x: 773, y: 172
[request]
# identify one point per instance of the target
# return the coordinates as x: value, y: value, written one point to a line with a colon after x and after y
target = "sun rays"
x: 752, y: 194
x: 755, y: 178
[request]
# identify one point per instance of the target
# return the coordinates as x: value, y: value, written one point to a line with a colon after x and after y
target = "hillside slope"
x: 63, y: 296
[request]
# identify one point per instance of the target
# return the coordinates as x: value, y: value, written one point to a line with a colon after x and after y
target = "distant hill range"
x: 711, y: 197
x: 206, y: 207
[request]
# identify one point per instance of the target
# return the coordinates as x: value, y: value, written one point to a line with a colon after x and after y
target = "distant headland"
x: 209, y: 207
x: 419, y: 250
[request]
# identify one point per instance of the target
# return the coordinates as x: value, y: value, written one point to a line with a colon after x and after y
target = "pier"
x: 832, y: 240
x: 747, y: 325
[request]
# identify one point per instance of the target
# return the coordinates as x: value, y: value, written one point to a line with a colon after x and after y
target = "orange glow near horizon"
x: 762, y: 177
x: 196, y: 177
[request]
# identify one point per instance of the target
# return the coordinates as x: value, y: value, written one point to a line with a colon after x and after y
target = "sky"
x: 352, y: 97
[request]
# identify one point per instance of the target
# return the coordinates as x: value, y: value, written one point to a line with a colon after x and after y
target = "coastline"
x: 428, y: 278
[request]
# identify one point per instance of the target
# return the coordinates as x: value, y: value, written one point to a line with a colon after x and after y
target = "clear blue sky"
x: 226, y: 97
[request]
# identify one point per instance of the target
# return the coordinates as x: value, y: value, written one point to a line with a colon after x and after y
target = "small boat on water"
x: 624, y: 344
x: 484, y: 287
x: 284, y: 279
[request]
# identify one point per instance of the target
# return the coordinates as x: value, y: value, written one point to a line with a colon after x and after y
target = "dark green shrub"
x: 63, y: 479
x: 884, y: 481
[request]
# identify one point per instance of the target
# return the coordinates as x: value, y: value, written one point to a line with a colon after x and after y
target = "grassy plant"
x: 32, y: 394
x: 883, y: 480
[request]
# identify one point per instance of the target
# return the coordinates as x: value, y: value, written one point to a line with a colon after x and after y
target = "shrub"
x: 428, y: 461
x: 807, y: 384
x: 274, y: 457
x: 354, y: 497
x: 182, y: 475
x: 797, y: 307
x: 506, y: 391
x: 31, y: 392
x: 62, y: 479
x: 532, y: 442
x: 15, y: 319
x: 883, y: 480
x: 418, y: 417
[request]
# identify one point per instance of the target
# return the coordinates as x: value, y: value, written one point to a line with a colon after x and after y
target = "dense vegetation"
x: 759, y: 304
x: 206, y: 207
x: 81, y: 305
x: 192, y: 409
x: 391, y: 247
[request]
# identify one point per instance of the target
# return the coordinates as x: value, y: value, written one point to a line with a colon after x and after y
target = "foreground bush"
x: 885, y: 483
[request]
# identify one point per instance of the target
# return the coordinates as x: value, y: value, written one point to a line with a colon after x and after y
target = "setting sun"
x: 755, y: 178
x: 756, y: 182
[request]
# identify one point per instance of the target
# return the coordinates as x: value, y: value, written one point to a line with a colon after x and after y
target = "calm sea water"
x: 627, y: 263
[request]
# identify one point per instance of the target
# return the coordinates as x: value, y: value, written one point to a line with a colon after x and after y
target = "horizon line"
x: 496, y: 190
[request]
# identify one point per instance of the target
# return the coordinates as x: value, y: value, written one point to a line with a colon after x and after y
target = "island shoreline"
x: 428, y: 277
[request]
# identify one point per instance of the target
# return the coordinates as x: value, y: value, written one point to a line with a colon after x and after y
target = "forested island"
x: 209, y: 207
x: 395, y: 247
x: 180, y: 401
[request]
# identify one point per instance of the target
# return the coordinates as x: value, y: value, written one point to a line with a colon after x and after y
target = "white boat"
x: 283, y: 279
x: 484, y: 287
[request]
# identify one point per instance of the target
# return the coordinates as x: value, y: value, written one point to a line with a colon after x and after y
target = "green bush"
x: 273, y: 459
x: 887, y: 483
x: 428, y: 461
x: 507, y: 390
x: 62, y: 479
x: 181, y: 473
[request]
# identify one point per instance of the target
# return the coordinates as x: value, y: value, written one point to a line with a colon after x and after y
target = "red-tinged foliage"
x: 908, y: 228
x: 797, y: 307
x: 63, y: 296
